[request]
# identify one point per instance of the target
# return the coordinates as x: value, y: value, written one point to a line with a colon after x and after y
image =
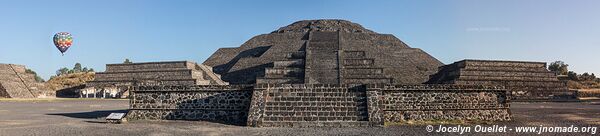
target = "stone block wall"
x: 218, y: 103
x: 402, y: 103
x: 310, y: 105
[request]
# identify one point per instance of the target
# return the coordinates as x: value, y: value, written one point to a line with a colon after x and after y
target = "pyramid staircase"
x: 359, y: 69
x: 314, y: 106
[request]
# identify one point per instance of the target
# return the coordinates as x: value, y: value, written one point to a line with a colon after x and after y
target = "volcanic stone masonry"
x: 337, y: 73
x: 323, y: 52
x: 220, y: 103
x: 303, y: 105
x: 15, y: 82
x: 119, y: 78
x: 526, y: 81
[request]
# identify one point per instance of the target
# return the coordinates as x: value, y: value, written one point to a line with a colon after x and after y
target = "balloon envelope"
x: 62, y: 41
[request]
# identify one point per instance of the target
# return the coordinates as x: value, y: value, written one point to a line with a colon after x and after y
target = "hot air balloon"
x: 63, y: 41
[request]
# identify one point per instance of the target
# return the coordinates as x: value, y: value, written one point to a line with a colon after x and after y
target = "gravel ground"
x: 85, y: 117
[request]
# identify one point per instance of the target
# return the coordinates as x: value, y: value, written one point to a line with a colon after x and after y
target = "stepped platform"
x: 527, y: 81
x: 15, y: 82
x: 119, y: 78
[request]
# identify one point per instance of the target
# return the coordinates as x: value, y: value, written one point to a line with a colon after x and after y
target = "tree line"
x: 76, y: 69
x: 561, y: 68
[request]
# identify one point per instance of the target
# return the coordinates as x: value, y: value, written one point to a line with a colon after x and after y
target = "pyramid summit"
x: 331, y: 25
x: 323, y: 52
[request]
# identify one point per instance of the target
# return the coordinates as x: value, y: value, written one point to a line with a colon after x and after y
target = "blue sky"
x: 109, y: 31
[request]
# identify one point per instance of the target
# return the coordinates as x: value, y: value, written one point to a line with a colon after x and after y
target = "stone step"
x: 285, y: 72
x: 361, y: 108
x: 186, y: 72
x: 504, y: 64
x: 536, y: 90
x: 505, y: 69
x: 275, y: 76
x: 323, y: 36
x: 352, y: 114
x: 147, y: 77
x: 197, y: 75
x: 319, y: 99
x: 208, y: 74
x: 315, y: 124
x: 147, y: 70
x: 283, y: 80
x: 504, y: 73
x: 299, y: 63
x: 358, y: 62
x: 131, y: 82
x: 362, y: 71
x: 296, y: 55
x: 368, y: 80
x: 147, y: 65
x: 317, y: 94
x: 315, y: 118
x: 323, y: 47
x: 202, y: 82
x: 369, y: 76
x: 506, y: 78
x: 316, y: 103
x: 318, y: 89
x: 354, y: 54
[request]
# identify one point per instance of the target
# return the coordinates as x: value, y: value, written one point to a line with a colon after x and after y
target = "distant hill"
x: 70, y: 80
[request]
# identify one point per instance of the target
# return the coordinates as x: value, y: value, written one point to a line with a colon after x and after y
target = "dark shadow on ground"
x: 70, y: 92
x: 89, y: 115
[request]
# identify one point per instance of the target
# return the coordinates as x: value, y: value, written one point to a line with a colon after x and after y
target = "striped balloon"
x: 63, y: 41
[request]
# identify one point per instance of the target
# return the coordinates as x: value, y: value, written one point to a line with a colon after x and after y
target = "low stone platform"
x: 308, y: 105
x: 526, y: 81
x: 119, y: 78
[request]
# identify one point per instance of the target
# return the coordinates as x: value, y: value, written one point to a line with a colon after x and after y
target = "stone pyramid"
x: 323, y: 52
x: 16, y: 83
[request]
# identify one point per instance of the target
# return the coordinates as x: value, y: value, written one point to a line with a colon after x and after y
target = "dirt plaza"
x: 86, y: 117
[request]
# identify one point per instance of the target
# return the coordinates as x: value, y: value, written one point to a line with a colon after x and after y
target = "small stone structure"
x: 118, y: 79
x: 526, y: 80
x: 15, y: 82
x: 302, y: 105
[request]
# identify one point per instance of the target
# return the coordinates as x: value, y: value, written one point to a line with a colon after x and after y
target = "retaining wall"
x: 401, y: 103
x: 219, y: 103
x: 308, y: 105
